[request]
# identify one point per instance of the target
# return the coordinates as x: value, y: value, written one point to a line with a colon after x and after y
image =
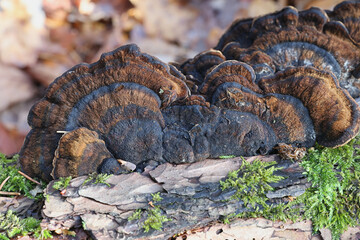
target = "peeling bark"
x: 191, y: 194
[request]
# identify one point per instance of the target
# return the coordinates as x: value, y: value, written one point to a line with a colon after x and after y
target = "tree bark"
x: 191, y: 198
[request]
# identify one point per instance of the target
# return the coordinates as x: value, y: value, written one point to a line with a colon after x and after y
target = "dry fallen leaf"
x: 15, y: 86
x: 22, y: 35
x: 10, y: 140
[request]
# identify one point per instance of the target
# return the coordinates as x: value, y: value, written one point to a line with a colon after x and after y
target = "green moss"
x: 227, y: 156
x: 94, y: 177
x: 251, y: 182
x: 43, y: 234
x: 83, y: 225
x: 62, y: 183
x: 136, y: 215
x: 153, y: 218
x: 332, y: 201
x: 16, y: 182
x: 97, y: 178
x: 11, y: 226
x: 156, y: 197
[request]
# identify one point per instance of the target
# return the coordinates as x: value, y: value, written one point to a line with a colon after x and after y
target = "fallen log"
x: 191, y: 198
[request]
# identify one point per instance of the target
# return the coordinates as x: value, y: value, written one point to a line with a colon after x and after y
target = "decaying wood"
x: 191, y: 194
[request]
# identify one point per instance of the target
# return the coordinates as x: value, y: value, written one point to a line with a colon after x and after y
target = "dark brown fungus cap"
x: 125, y: 64
x: 126, y: 115
x: 194, y: 100
x: 334, y: 112
x: 339, y: 30
x: 246, y: 31
x: 285, y: 18
x: 196, y: 68
x: 286, y: 115
x: 239, y: 32
x: 305, y: 46
x: 346, y: 9
x: 325, y: 40
x: 262, y: 64
x: 194, y: 133
x: 348, y: 12
x: 79, y: 152
x: 174, y: 70
x: 308, y: 47
x: 119, y: 97
x: 37, y: 153
x: 229, y: 71
x: 313, y: 17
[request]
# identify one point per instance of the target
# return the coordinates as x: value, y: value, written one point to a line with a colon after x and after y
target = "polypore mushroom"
x: 229, y: 71
x: 313, y: 17
x: 79, y: 152
x: 111, y: 110
x: 195, y: 69
x: 247, y: 30
x: 289, y: 39
x: 194, y: 133
x: 348, y: 13
x: 240, y: 32
x: 105, y: 97
x: 334, y: 112
x: 273, y: 81
x: 286, y: 115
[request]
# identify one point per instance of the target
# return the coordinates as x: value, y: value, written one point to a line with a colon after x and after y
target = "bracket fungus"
x: 201, y: 63
x: 120, y: 95
x: 291, y: 38
x: 334, y: 113
x: 286, y: 115
x: 283, y: 79
x: 347, y: 13
x: 119, y: 106
x: 79, y: 152
x: 195, y: 132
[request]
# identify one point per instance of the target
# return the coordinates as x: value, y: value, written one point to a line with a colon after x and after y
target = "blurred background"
x: 40, y: 39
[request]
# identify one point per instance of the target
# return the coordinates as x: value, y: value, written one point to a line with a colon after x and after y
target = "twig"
x: 26, y: 176
x: 3, y: 183
x: 9, y: 193
x: 63, y: 132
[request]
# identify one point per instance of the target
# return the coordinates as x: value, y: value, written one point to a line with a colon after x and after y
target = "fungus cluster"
x: 283, y: 78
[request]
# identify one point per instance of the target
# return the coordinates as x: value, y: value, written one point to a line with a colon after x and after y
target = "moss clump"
x: 332, y: 201
x: 97, y: 178
x: 251, y: 182
x: 16, y: 182
x: 226, y: 156
x: 62, y: 183
x: 11, y: 225
x: 152, y: 215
